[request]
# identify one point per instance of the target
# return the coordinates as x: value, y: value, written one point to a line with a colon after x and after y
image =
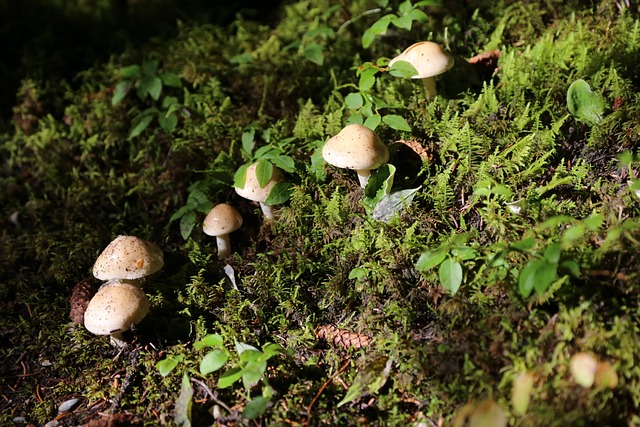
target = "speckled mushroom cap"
x: 355, y: 147
x: 428, y: 58
x: 252, y: 189
x: 128, y: 257
x: 221, y: 219
x: 115, y: 307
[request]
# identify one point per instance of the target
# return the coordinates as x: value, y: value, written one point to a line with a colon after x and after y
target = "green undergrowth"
x: 516, y: 252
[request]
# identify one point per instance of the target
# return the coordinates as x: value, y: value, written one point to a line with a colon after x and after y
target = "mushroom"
x: 115, y: 308
x: 128, y: 257
x: 253, y: 191
x: 356, y: 147
x: 222, y: 220
x: 430, y: 60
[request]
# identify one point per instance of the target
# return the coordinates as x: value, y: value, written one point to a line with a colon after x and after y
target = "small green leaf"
x: 168, y: 364
x: 450, y: 274
x: 280, y: 193
x: 229, y: 377
x: 539, y: 275
x: 248, y: 140
x: 242, y: 347
x: 379, y: 185
x: 140, y: 125
x: 120, y: 92
x: 150, y: 68
x: 286, y: 163
x: 264, y: 172
x: 525, y: 244
x: 367, y: 38
x: 572, y: 267
x: 353, y: 101
x: 169, y: 101
x: 187, y: 224
x: 358, y: 273
x: 402, y: 22
x: 552, y: 253
x: 355, y: 119
x: 256, y: 407
x: 584, y: 104
x: 240, y: 177
x: 430, y: 259
x: 168, y: 122
x: 367, y: 78
x: 131, y: 71
x: 211, y: 340
x: 402, y: 69
x: 252, y: 373
x: 171, y: 80
x: 213, y: 361
x: 396, y: 122
x: 182, y: 411
x: 151, y: 85
x: 372, y: 122
x: 313, y: 52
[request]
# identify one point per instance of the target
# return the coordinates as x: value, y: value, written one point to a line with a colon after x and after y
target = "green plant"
x: 197, y: 201
x: 248, y: 364
x: 149, y: 82
x: 585, y: 105
x: 448, y: 257
x: 403, y: 18
x: 266, y: 158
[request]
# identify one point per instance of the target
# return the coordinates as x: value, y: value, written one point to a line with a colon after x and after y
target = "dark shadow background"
x: 55, y: 39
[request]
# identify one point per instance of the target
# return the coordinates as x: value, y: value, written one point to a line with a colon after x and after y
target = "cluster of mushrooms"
x: 120, y: 302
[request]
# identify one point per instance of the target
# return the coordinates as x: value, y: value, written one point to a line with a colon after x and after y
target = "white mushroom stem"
x: 363, y: 176
x: 430, y: 87
x: 117, y: 340
x: 224, y: 245
x: 267, y: 212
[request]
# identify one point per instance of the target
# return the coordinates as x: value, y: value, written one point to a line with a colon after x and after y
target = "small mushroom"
x: 356, y: 147
x: 128, y: 257
x: 253, y: 191
x: 115, y: 308
x: 222, y: 220
x: 430, y: 60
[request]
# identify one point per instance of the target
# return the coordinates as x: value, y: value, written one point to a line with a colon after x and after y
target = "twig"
x: 326, y: 383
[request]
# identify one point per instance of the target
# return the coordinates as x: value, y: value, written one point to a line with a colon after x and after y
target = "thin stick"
x: 326, y: 383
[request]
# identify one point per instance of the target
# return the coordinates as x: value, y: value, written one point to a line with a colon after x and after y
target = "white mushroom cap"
x: 356, y: 147
x: 115, y: 307
x: 252, y: 189
x: 428, y: 58
x: 128, y: 257
x: 222, y: 219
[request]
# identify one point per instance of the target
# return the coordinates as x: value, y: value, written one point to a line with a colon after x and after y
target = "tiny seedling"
x: 149, y: 82
x: 403, y: 19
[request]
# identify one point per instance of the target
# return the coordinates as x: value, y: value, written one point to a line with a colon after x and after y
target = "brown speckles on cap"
x: 128, y: 257
x: 115, y: 307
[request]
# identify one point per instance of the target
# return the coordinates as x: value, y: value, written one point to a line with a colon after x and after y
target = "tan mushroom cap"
x: 252, y: 189
x: 428, y: 58
x: 222, y: 219
x: 355, y: 147
x: 128, y: 257
x: 115, y: 307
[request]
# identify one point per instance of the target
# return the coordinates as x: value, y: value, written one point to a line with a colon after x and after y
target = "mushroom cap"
x: 128, y: 257
x: 428, y: 58
x: 252, y: 189
x: 355, y: 147
x: 115, y: 307
x: 221, y: 219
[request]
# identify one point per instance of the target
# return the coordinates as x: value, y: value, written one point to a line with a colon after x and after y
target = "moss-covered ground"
x: 516, y: 250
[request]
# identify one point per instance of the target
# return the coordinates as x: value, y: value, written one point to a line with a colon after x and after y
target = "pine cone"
x: 342, y: 337
x: 80, y: 297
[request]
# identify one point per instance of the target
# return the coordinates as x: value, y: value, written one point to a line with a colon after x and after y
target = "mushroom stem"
x: 117, y: 339
x: 267, y: 212
x: 363, y: 176
x: 430, y: 87
x: 224, y: 245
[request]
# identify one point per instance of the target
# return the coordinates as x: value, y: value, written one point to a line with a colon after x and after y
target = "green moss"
x: 72, y: 180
